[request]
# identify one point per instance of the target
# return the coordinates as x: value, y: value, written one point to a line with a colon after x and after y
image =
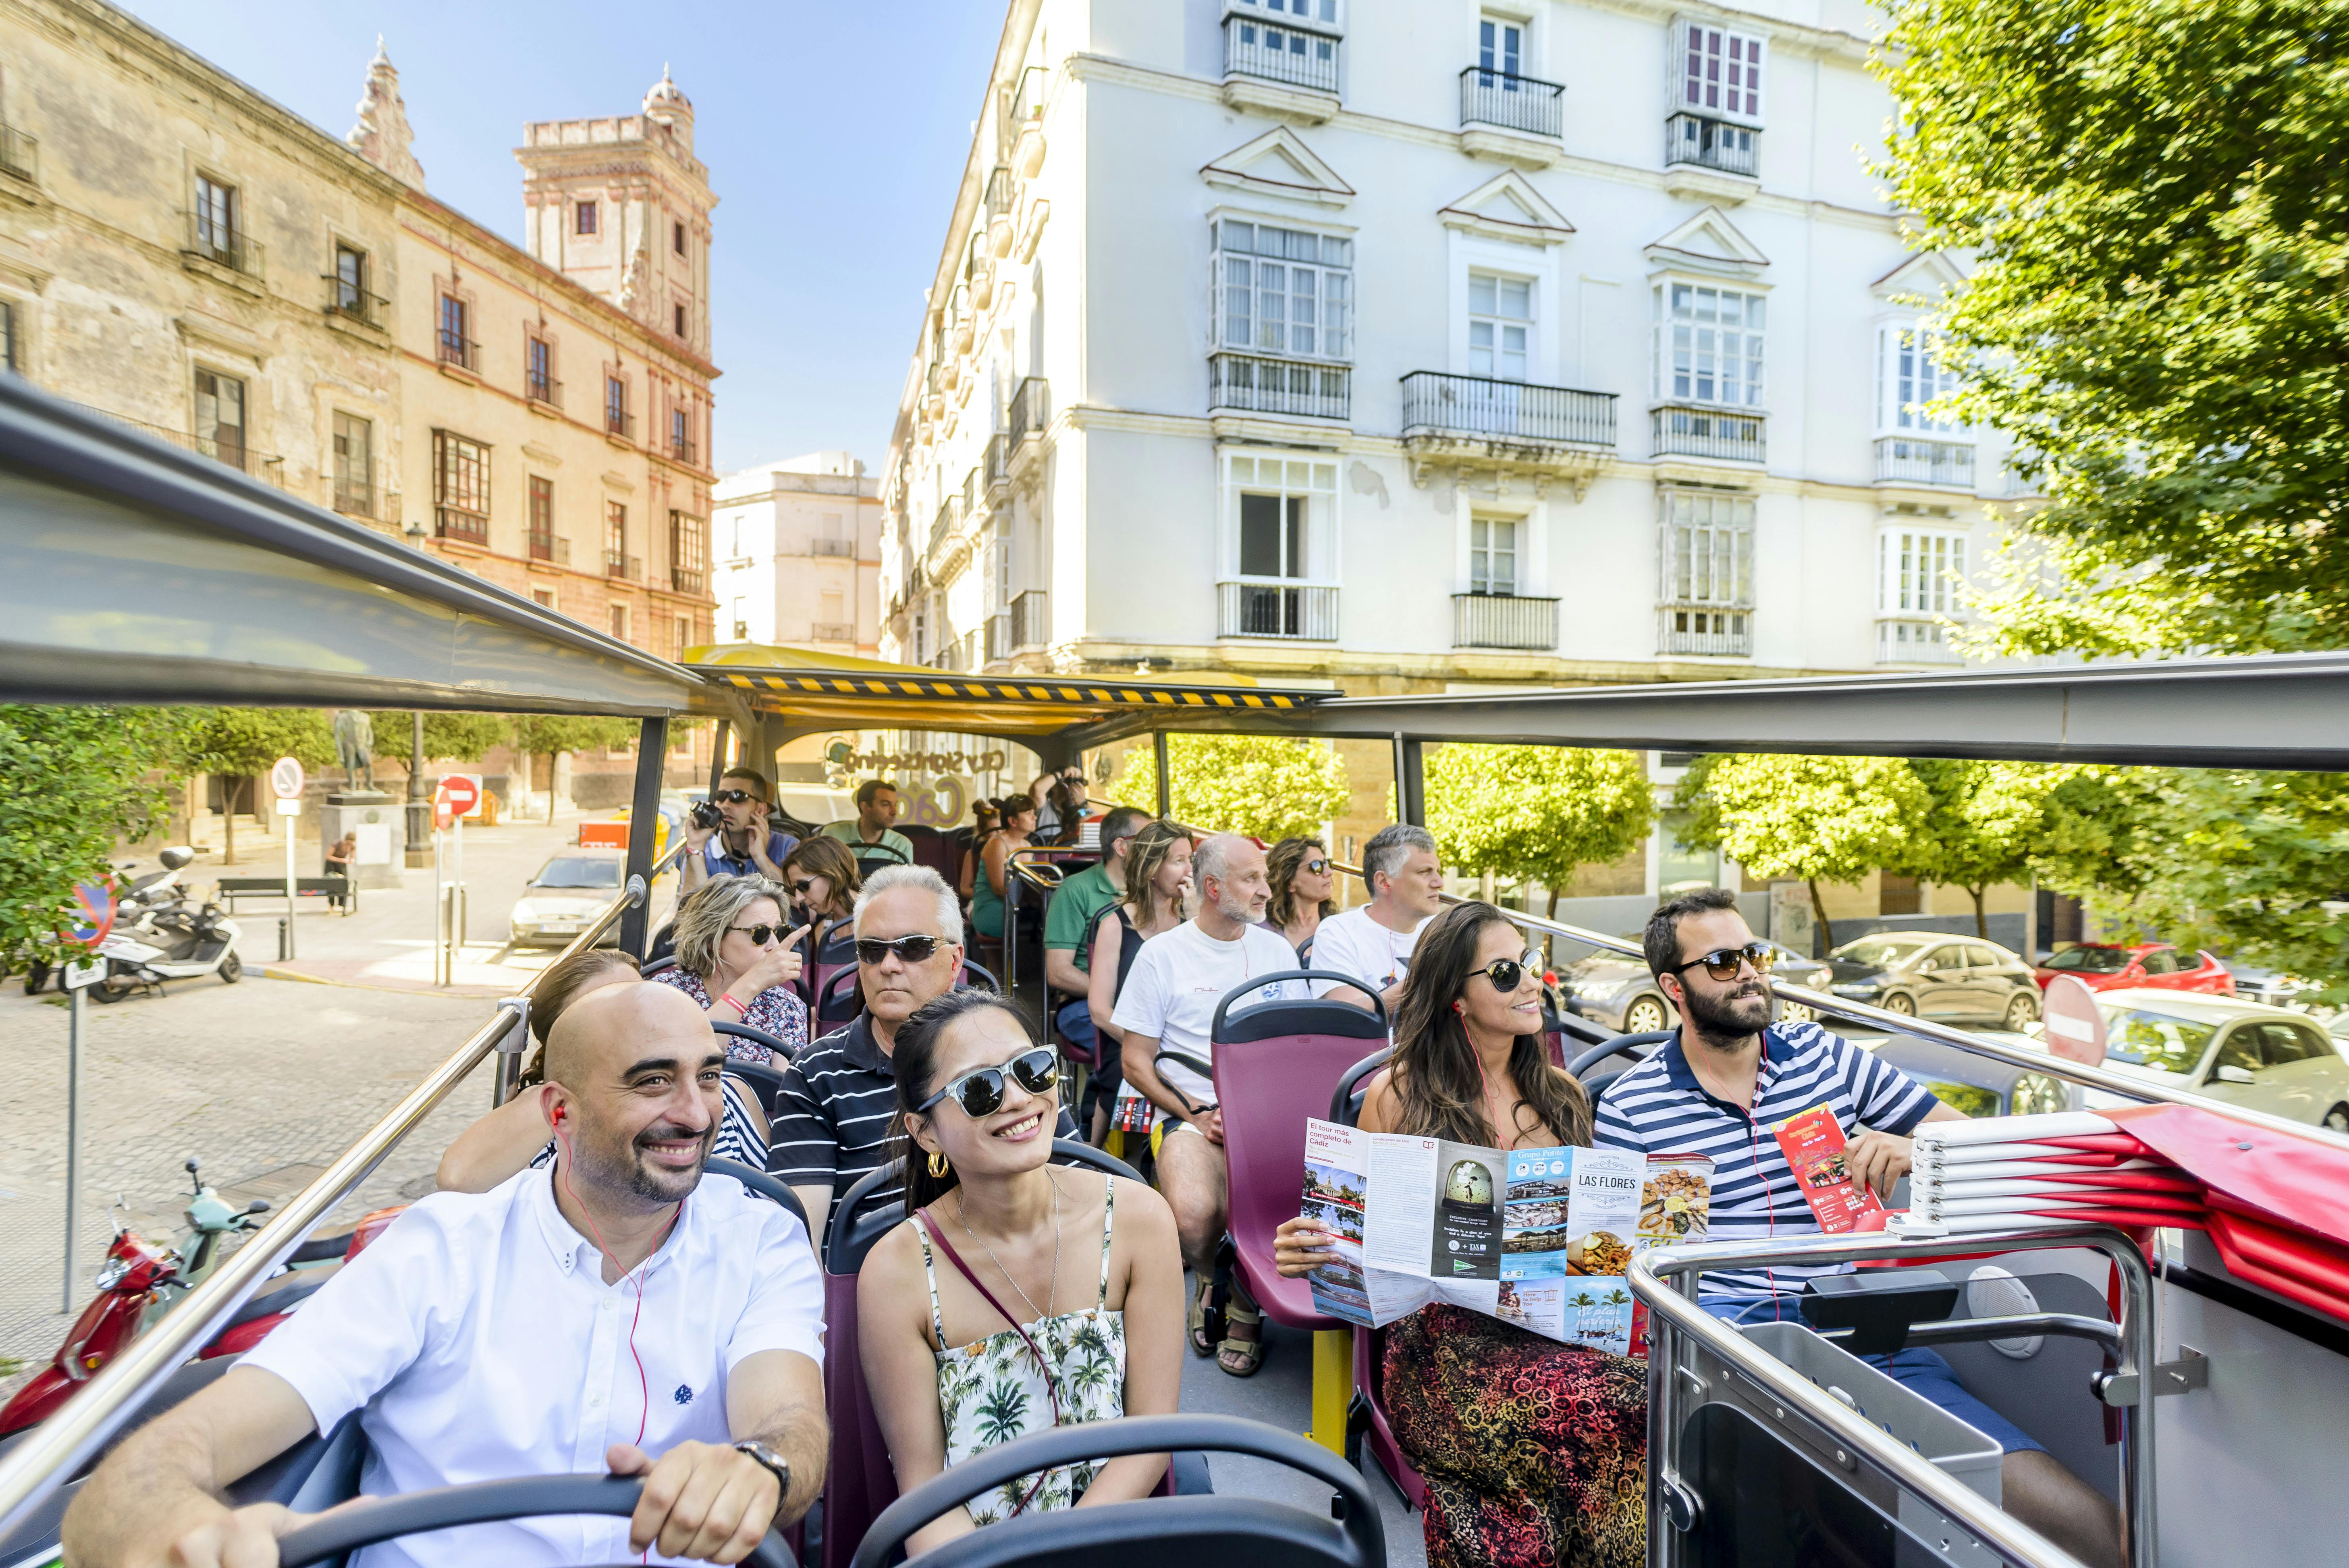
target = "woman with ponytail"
x: 1017, y: 1295
x: 1534, y: 1452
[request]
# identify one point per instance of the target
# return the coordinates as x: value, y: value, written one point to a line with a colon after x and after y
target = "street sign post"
x: 285, y: 782
x: 462, y: 792
x: 93, y: 921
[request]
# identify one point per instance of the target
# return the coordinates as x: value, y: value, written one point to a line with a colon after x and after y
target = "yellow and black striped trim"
x: 1053, y: 693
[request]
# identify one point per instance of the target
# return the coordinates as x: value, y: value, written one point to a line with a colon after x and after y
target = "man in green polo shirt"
x: 1068, y: 955
x: 876, y: 808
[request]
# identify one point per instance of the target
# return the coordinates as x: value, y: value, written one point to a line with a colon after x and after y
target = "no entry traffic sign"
x: 2076, y: 1026
x: 464, y: 793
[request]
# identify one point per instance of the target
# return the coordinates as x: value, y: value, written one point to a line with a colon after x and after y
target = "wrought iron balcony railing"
x: 620, y: 564
x: 1913, y: 640
x: 1438, y: 403
x: 1250, y: 384
x: 1692, y: 138
x: 459, y: 350
x: 225, y: 244
x: 1030, y: 625
x: 1512, y: 102
x: 1904, y: 459
x: 1504, y: 621
x: 451, y: 522
x: 1704, y: 629
x: 1278, y: 52
x: 1696, y: 431
x: 1272, y: 609
x: 352, y: 303
x: 687, y: 580
x: 543, y: 390
x: 1031, y: 410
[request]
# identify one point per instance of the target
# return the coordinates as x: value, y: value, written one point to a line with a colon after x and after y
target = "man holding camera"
x: 736, y: 842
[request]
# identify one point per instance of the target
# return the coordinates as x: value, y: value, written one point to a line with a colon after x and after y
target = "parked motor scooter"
x: 171, y: 943
x: 139, y: 1282
x: 136, y: 902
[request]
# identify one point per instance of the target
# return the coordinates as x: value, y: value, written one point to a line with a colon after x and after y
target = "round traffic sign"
x: 286, y: 778
x: 2076, y: 1026
x: 93, y: 913
x: 462, y: 793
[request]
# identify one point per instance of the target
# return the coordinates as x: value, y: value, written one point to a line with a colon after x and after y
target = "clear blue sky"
x: 834, y: 161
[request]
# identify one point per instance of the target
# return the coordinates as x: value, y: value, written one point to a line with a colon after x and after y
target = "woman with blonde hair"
x: 1158, y: 898
x: 737, y: 957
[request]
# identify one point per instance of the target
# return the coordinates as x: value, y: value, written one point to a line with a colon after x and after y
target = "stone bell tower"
x: 622, y: 205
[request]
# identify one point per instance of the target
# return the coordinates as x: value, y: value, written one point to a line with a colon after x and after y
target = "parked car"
x: 2247, y: 1053
x: 1979, y: 1086
x: 1931, y: 974
x: 1619, y: 992
x: 570, y: 890
x: 2256, y: 984
x: 2114, y: 965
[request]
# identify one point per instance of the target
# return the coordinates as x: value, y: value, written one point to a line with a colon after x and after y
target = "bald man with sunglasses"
x: 832, y: 1113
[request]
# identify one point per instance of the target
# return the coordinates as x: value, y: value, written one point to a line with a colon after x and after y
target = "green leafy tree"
x: 74, y: 781
x: 1983, y: 822
x: 240, y: 742
x: 1534, y: 813
x: 1822, y: 819
x: 2157, y: 310
x: 548, y: 734
x: 448, y: 736
x: 1265, y: 786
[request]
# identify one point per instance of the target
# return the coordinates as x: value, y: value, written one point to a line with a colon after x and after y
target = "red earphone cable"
x: 634, y: 1276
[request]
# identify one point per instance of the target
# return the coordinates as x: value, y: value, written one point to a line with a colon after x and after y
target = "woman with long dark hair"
x: 953, y: 1370
x: 992, y: 882
x: 1302, y: 884
x: 1533, y: 1451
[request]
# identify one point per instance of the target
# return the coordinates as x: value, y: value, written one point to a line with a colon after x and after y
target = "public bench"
x: 229, y: 889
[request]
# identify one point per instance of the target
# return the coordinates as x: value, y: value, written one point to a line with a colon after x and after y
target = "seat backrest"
x: 839, y: 1002
x: 759, y: 1181
x: 934, y: 850
x: 1276, y: 1064
x: 832, y: 949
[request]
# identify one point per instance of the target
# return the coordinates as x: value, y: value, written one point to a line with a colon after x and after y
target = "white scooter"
x: 169, y: 942
x: 138, y: 903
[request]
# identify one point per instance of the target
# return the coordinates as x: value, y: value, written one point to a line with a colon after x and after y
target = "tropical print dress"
x: 1534, y: 1453
x: 991, y: 1391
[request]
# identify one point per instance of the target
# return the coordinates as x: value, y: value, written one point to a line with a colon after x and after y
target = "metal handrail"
x: 56, y: 1448
x: 1673, y: 1310
x: 1844, y: 1008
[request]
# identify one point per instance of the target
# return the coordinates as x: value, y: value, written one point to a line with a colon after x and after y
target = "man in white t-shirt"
x: 1373, y: 941
x: 613, y: 1312
x: 1169, y: 1002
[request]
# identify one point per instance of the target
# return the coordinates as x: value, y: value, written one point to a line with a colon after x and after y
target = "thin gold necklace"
x: 1050, y: 1289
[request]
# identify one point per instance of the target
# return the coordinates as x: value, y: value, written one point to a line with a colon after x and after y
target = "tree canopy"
x: 1822, y: 819
x: 545, y: 734
x: 1265, y: 786
x: 448, y: 736
x: 74, y: 781
x: 1534, y: 813
x: 2158, y: 309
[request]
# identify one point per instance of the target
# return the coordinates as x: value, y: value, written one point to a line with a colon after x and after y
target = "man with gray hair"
x: 833, y: 1110
x: 1168, y: 1003
x: 1374, y: 941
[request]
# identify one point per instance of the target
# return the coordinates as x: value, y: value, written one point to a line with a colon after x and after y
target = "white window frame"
x: 1240, y: 322
x: 1481, y: 578
x: 1731, y: 71
x: 1920, y: 569
x: 1907, y: 374
x: 616, y: 616
x: 1313, y: 16
x: 1499, y: 325
x: 1494, y: 55
x: 1710, y: 570
x: 1683, y: 347
x: 1312, y: 476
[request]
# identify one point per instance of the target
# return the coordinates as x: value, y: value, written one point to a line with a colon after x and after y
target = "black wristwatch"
x: 775, y: 1463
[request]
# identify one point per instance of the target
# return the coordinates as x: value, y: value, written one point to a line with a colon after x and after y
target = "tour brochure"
x: 1536, y: 1237
x: 1812, y: 1142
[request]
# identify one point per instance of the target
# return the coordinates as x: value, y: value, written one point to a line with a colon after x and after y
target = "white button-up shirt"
x: 480, y: 1342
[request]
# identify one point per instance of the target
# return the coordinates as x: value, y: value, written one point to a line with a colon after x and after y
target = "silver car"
x: 1618, y: 991
x: 567, y: 896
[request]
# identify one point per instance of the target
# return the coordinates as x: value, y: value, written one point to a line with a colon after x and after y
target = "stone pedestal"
x: 382, y: 831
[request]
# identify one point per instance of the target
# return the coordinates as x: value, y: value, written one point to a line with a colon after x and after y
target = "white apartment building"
x: 796, y: 554
x: 1413, y: 343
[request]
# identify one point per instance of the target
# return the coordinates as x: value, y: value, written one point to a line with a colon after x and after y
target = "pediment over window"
x: 1709, y: 242
x: 1928, y: 277
x: 1507, y: 207
x: 1278, y: 163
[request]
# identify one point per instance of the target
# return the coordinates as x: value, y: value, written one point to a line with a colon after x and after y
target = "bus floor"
x: 1281, y: 1395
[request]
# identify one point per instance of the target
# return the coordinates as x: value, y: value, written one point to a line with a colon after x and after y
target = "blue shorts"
x: 1922, y: 1372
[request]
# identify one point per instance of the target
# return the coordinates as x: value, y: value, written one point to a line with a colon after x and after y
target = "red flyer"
x: 1813, y: 1142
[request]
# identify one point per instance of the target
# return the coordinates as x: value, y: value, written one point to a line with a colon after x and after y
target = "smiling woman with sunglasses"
x: 1017, y: 1295
x: 738, y: 958
x: 1302, y: 884
x: 1532, y: 1450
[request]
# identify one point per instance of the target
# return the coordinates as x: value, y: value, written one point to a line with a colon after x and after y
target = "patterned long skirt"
x: 1534, y: 1453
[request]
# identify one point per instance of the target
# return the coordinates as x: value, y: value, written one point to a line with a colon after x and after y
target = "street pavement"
x: 265, y: 1080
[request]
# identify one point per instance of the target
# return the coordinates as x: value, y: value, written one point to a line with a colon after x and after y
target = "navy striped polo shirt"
x: 1659, y: 1108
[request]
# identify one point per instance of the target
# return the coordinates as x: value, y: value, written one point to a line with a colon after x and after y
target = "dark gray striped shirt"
x: 833, y: 1112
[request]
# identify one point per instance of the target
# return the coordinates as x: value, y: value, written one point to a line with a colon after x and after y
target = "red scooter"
x: 139, y: 1282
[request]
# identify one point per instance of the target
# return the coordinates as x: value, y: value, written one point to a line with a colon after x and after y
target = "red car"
x: 2105, y: 966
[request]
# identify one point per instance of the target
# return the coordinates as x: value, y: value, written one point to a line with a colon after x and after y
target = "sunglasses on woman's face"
x: 1508, y: 973
x: 800, y: 887
x: 734, y: 797
x: 760, y: 936
x: 1316, y: 867
x: 980, y: 1091
x: 910, y: 949
x: 1722, y: 963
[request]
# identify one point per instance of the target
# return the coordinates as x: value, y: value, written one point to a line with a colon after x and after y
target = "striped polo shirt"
x: 833, y: 1112
x: 1659, y: 1108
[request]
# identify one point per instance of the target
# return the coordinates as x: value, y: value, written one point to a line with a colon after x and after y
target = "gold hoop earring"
x: 938, y: 1166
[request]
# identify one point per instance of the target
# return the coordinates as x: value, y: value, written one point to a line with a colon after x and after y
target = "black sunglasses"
x: 979, y: 1092
x: 910, y: 949
x: 734, y: 797
x: 1508, y: 973
x: 800, y: 886
x: 1316, y: 867
x: 760, y: 936
x: 1722, y: 961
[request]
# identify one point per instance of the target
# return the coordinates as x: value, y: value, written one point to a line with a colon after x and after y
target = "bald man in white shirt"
x: 612, y: 1313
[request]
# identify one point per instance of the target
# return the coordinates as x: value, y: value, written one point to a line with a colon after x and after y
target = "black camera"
x: 705, y: 814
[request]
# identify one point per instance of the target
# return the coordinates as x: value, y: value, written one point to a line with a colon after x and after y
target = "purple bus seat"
x: 859, y: 1482
x: 833, y: 949
x: 934, y: 850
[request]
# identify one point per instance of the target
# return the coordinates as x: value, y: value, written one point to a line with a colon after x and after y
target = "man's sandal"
x: 1240, y: 1357
x: 1197, y: 1320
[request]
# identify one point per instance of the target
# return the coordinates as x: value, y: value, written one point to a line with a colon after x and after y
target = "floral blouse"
x: 992, y: 1390
x: 774, y: 1010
